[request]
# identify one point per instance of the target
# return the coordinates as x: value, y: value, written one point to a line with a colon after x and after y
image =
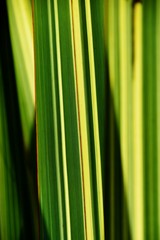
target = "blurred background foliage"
x: 79, y: 119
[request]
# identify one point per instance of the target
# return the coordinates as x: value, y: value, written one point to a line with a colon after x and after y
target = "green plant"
x: 79, y: 119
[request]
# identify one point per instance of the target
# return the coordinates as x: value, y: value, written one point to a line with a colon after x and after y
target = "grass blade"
x: 55, y: 86
x: 21, y: 33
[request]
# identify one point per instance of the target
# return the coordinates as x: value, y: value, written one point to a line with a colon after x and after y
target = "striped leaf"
x: 70, y: 182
